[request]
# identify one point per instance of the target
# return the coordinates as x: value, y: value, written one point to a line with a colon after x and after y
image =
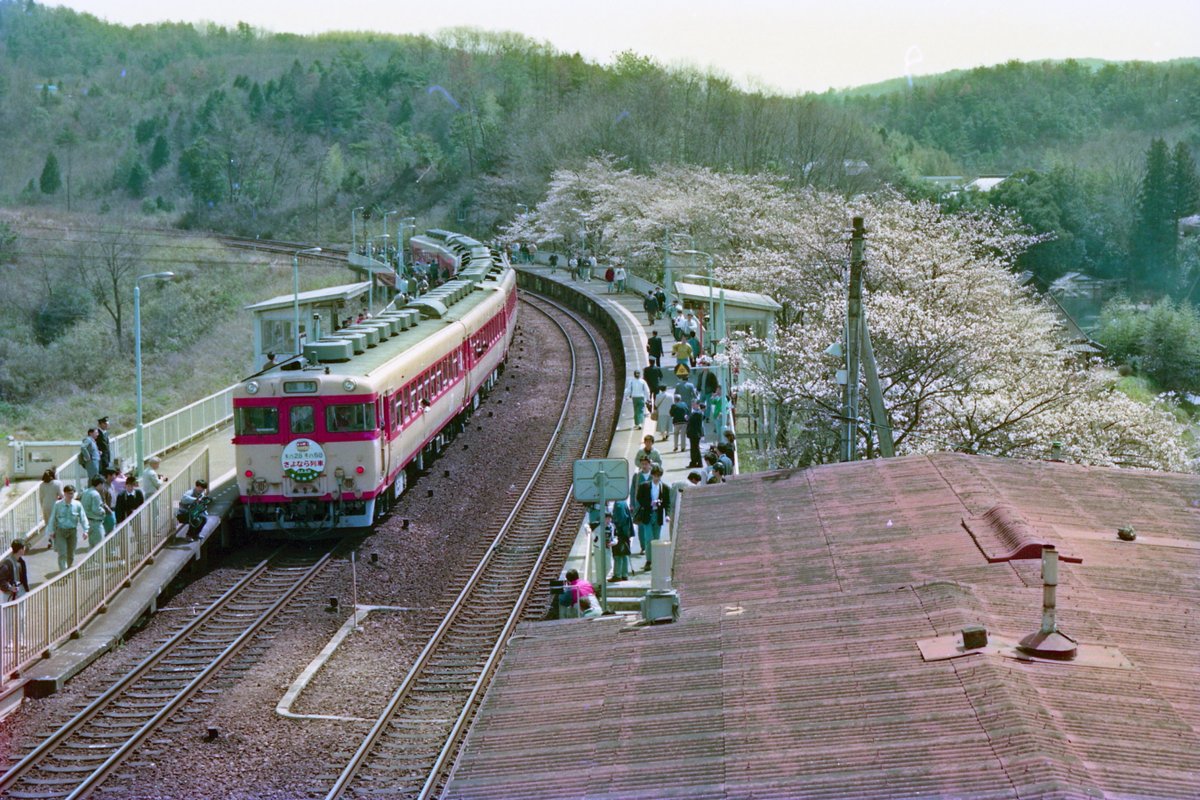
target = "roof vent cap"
x: 1048, y: 641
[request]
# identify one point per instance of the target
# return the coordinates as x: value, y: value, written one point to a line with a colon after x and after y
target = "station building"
x: 819, y: 650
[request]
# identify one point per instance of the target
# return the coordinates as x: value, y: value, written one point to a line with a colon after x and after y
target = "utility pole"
x: 853, y: 343
x: 859, y: 349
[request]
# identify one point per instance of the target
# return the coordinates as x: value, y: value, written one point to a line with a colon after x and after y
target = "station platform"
x: 624, y: 597
x: 140, y: 596
x: 42, y: 561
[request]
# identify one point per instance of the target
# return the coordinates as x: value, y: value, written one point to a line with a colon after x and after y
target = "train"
x: 327, y: 442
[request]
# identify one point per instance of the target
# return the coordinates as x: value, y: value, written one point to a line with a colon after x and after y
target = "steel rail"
x: 359, y: 759
x: 514, y: 617
x: 171, y: 706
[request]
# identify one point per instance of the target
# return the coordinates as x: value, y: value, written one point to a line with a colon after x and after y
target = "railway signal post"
x: 600, y: 480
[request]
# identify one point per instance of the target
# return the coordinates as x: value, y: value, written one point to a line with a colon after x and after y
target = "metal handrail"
x: 23, y: 519
x: 33, y: 625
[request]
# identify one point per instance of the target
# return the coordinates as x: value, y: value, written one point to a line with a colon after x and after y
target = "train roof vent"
x: 329, y: 350
x: 430, y: 307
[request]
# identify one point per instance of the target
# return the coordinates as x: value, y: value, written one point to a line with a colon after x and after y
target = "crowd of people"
x: 678, y: 397
x: 79, y: 517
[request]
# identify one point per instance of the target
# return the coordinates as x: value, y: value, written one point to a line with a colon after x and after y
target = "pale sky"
x: 790, y: 46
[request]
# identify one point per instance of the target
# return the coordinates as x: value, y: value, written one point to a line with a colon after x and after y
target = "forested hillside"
x: 280, y: 135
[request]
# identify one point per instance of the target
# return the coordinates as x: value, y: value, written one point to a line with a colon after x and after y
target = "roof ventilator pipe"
x: 1049, y: 641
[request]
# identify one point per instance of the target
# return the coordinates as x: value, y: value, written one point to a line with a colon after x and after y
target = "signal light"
x: 249, y: 473
x: 359, y: 470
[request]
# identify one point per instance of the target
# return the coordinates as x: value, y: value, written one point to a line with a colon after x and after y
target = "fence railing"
x: 33, y: 625
x: 23, y: 519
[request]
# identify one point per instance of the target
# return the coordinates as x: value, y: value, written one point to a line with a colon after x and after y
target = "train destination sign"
x: 303, y: 459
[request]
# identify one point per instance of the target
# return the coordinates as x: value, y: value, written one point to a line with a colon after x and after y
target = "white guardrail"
x: 34, y: 624
x: 23, y: 519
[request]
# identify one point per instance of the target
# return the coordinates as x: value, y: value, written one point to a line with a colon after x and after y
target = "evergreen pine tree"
x: 1153, y: 259
x: 51, y: 180
x: 135, y: 183
x: 1185, y: 185
x: 161, y: 154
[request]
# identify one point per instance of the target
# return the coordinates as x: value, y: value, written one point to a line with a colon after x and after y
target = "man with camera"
x: 193, y: 508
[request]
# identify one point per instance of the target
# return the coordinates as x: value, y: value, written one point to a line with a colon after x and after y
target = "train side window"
x: 302, y: 419
x: 350, y: 417
x: 255, y: 420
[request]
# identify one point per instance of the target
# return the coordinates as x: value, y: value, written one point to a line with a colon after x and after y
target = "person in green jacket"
x: 67, y: 517
x: 95, y: 509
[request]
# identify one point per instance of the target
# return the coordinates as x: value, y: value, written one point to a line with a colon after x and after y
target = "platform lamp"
x: 354, y: 228
x: 387, y: 214
x: 137, y: 354
x: 296, y: 292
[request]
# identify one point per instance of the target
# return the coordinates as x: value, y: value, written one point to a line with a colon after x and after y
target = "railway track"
x: 332, y: 254
x: 409, y: 749
x: 81, y: 754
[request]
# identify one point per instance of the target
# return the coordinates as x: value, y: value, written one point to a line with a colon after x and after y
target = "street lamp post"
x: 354, y: 229
x: 137, y: 355
x: 387, y: 214
x: 296, y: 291
x: 405, y: 224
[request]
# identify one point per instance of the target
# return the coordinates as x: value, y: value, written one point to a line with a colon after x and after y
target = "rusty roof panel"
x: 794, y: 672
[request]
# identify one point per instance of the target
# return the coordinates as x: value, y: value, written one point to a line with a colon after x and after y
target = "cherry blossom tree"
x: 969, y: 359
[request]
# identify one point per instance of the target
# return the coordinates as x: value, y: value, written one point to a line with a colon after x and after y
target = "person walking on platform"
x: 621, y: 276
x: 653, y: 377
x: 654, y: 508
x: 89, y: 453
x: 683, y: 353
x: 679, y: 418
x: 650, y: 306
x: 623, y: 533
x: 694, y: 345
x: 685, y: 389
x: 654, y: 347
x: 649, y: 452
x: 103, y: 444
x: 553, y: 263
x: 49, y: 492
x: 662, y: 413
x: 152, y: 481
x: 639, y: 477
x: 95, y: 510
x: 661, y: 297
x: 129, y: 499
x: 695, y: 432
x: 610, y: 277
x: 67, y: 517
x: 109, y: 496
x: 14, y: 574
x: 637, y: 390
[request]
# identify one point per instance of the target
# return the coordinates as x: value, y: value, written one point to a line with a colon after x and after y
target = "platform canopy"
x: 320, y: 310
x: 696, y: 293
x: 324, y: 297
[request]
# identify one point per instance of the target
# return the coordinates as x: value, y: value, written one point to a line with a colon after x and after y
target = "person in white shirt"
x: 637, y: 390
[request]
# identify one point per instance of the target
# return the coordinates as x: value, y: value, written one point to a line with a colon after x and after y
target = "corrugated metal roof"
x: 794, y: 671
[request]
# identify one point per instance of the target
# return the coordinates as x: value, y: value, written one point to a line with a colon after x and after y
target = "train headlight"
x: 349, y: 384
x: 359, y: 470
x: 252, y: 387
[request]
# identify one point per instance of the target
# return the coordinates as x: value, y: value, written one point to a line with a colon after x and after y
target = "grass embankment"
x: 62, y: 364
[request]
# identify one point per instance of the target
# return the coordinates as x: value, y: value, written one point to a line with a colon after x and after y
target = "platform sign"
x: 598, y: 480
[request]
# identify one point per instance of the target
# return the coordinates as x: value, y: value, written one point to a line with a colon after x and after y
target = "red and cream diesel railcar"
x: 325, y: 444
